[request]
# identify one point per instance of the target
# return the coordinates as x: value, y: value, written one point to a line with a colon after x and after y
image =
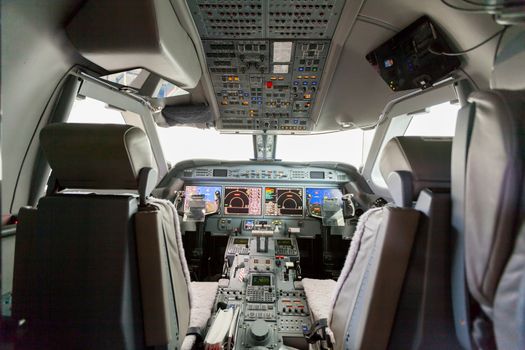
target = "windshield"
x: 181, y: 143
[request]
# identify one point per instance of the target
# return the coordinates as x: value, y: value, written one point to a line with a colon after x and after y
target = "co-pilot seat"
x: 393, y: 291
x: 103, y: 270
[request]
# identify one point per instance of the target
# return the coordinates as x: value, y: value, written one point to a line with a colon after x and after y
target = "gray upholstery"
x: 96, y: 156
x: 509, y: 66
x: 424, y: 317
x: 521, y: 314
x: 493, y: 189
x: 393, y: 291
x: 460, y: 296
x: 97, y: 271
x: 423, y: 161
x: 365, y: 305
x: 494, y: 207
x: 75, y: 278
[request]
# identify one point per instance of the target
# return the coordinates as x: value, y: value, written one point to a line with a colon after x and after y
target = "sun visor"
x: 185, y: 115
x: 119, y: 35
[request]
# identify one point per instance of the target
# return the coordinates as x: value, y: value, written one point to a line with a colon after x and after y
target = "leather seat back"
x: 383, y: 288
x: 494, y: 208
x: 494, y: 192
x: 93, y: 270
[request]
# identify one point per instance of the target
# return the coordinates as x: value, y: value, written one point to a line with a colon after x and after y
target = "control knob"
x: 259, y: 331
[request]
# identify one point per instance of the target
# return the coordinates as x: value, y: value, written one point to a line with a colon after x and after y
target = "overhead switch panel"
x: 266, y: 59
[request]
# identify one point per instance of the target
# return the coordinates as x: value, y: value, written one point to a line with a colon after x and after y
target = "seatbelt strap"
x: 197, y: 332
x: 460, y: 296
x: 482, y: 333
x: 317, y: 333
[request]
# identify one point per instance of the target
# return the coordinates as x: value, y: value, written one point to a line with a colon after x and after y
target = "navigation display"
x: 316, y: 197
x: 242, y: 200
x: 283, y: 201
x: 211, y: 196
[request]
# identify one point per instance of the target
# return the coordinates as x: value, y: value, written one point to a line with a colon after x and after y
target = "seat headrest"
x: 411, y: 163
x: 97, y: 156
x: 509, y: 68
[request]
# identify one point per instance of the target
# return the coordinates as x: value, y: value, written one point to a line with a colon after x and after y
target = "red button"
x: 269, y: 84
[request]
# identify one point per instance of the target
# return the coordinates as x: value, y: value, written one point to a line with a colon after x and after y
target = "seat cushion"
x: 202, y: 300
x: 318, y: 293
x: 202, y: 295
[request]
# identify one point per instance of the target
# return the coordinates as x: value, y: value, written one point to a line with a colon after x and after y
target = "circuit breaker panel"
x: 266, y: 59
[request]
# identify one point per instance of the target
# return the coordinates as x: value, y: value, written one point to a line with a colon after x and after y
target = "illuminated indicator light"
x: 300, y: 69
x: 313, y: 76
x: 273, y: 78
x: 230, y: 78
x: 296, y: 82
x: 314, y: 69
x: 299, y: 77
x: 236, y: 78
x: 281, y: 78
x: 245, y: 103
x: 314, y: 83
x: 269, y: 84
x: 305, y: 83
x: 307, y: 96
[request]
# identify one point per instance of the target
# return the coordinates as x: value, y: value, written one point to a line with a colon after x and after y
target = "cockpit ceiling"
x: 266, y: 59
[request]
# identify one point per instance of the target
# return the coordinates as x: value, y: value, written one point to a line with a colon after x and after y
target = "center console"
x: 262, y: 278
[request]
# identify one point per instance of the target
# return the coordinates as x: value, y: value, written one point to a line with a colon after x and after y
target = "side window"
x: 436, y: 121
x: 89, y: 110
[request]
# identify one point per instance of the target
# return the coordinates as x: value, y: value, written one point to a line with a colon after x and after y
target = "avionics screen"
x: 242, y: 200
x: 261, y: 280
x: 284, y: 243
x: 241, y: 241
x: 283, y: 201
x: 316, y: 197
x: 209, y: 196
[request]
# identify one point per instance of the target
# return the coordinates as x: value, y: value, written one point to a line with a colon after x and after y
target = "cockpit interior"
x: 262, y: 174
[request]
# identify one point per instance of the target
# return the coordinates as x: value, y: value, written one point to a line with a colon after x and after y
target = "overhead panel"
x: 266, y: 59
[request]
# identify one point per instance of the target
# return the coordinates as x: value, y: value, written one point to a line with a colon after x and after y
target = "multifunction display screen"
x: 261, y: 280
x: 211, y: 195
x: 316, y: 196
x: 240, y: 241
x: 242, y: 200
x: 284, y: 243
x: 283, y: 201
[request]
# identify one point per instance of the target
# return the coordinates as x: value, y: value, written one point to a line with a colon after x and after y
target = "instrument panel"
x: 242, y: 201
x: 317, y: 196
x: 283, y: 201
x: 210, y: 194
x: 248, y: 200
x: 243, y: 197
